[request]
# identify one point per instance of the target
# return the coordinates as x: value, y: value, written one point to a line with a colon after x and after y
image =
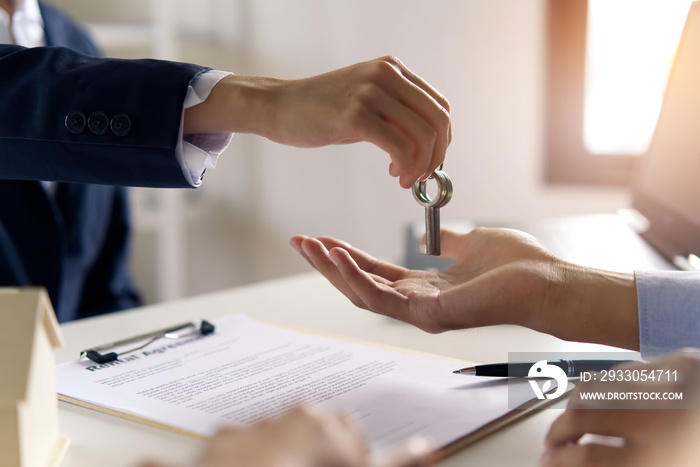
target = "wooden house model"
x: 29, y: 333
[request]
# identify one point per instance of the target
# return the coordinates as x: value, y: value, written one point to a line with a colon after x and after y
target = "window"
x: 608, y: 66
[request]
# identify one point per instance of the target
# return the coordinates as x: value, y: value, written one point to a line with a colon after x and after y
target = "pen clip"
x: 202, y: 327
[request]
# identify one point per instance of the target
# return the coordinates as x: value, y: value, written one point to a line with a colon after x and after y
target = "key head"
x: 444, y: 194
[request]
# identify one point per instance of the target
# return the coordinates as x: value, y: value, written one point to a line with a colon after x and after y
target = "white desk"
x: 309, y: 302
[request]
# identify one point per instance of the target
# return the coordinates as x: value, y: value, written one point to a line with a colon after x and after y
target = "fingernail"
x: 305, y: 248
x: 334, y: 260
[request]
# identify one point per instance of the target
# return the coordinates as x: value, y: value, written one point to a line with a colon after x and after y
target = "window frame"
x: 566, y: 158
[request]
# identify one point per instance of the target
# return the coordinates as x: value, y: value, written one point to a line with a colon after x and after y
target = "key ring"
x: 444, y: 190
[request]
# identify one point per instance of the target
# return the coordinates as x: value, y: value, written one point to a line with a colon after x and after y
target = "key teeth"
x: 423, y: 250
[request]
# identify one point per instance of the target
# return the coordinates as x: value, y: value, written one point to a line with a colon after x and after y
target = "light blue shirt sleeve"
x: 669, y: 310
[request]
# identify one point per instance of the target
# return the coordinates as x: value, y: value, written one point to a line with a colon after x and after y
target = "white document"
x: 246, y: 371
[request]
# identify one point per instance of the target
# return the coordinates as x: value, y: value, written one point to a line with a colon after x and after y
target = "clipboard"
x: 455, y: 444
x: 202, y: 327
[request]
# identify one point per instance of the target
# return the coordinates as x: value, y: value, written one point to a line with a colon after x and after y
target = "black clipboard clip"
x: 174, y: 332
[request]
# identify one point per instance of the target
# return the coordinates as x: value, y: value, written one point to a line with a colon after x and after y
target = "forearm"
x: 592, y: 305
x: 237, y: 104
x: 379, y: 101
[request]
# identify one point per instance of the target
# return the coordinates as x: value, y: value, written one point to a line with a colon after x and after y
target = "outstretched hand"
x: 479, y: 289
x: 379, y: 101
x: 501, y: 276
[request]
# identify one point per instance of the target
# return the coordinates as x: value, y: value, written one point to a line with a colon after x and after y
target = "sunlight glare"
x: 629, y: 51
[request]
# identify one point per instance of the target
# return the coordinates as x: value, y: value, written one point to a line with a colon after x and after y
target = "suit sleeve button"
x: 75, y: 122
x: 98, y: 123
x: 120, y: 125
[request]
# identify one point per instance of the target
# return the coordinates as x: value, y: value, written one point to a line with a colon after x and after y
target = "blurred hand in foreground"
x: 304, y: 437
x: 649, y: 430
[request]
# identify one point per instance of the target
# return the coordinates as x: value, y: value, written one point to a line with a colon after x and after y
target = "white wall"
x: 486, y: 56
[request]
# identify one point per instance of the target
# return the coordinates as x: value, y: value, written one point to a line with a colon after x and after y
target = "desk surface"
x: 305, y: 301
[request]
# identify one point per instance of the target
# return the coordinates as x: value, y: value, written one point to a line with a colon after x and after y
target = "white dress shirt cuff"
x: 197, y: 153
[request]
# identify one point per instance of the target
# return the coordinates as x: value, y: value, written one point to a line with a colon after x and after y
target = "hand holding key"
x: 432, y: 209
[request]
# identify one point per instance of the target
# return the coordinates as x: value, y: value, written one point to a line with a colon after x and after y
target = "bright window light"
x: 629, y: 51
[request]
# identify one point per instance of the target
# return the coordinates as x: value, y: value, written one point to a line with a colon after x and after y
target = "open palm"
x: 500, y: 276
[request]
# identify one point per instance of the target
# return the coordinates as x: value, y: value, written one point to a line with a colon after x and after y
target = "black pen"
x: 572, y: 368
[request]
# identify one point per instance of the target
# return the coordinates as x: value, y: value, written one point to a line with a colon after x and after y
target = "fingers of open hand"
x: 296, y: 243
x: 369, y: 283
x: 375, y: 285
x: 365, y: 261
x: 413, y: 297
x: 315, y: 252
x: 374, y: 292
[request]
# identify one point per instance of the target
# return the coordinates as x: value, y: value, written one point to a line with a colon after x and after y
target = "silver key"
x: 432, y: 210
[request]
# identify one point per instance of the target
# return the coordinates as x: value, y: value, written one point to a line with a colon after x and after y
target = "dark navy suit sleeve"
x: 97, y: 124
x: 65, y: 116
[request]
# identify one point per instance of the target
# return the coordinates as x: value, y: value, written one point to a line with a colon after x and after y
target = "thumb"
x: 416, y: 452
x: 450, y: 243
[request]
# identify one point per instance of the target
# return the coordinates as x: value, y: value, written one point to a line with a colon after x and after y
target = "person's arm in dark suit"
x: 65, y: 116
x: 50, y: 96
